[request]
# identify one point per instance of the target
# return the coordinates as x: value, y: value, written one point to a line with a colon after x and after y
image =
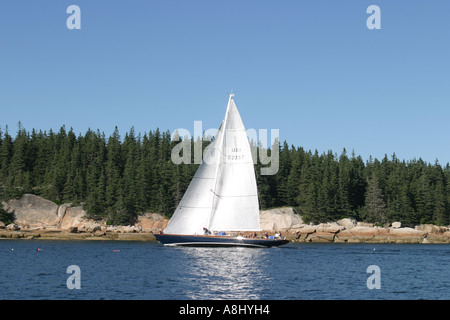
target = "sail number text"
x: 236, y: 154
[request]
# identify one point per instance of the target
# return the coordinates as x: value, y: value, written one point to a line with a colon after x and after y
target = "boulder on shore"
x: 347, y: 223
x: 33, y: 211
x: 152, y: 222
x: 73, y: 217
x: 12, y: 226
x: 280, y: 219
x: 396, y: 224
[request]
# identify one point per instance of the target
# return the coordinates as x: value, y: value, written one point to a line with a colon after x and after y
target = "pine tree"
x: 40, y: 149
x: 406, y: 213
x: 266, y: 184
x: 113, y: 171
x: 375, y: 207
x: 6, y: 152
x: 328, y: 194
x: 309, y: 189
x: 440, y: 215
x: 344, y: 185
x: 18, y: 166
x: 282, y: 175
x: 128, y: 188
x: 393, y: 195
x: 263, y: 187
x: 93, y: 146
x: 358, y: 184
x: 446, y: 218
x: 294, y: 178
x: 422, y: 196
x: 144, y: 177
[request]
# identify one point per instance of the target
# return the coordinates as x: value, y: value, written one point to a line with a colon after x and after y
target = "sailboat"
x: 220, y: 207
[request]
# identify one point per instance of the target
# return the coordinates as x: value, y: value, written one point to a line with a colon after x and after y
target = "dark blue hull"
x: 216, y: 241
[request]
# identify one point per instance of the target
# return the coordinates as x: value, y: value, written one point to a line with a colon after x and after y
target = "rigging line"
x: 217, y: 195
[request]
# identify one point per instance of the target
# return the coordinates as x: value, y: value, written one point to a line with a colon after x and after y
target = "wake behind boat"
x: 222, y: 196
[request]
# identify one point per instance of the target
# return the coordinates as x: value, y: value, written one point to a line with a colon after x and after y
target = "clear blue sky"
x: 311, y: 69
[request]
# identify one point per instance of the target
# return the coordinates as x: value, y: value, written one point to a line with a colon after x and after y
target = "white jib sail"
x: 222, y: 196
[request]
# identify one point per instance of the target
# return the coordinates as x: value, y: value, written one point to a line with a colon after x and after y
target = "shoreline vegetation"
x: 118, y: 180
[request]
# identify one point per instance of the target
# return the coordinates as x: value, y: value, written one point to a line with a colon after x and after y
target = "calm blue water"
x: 147, y: 270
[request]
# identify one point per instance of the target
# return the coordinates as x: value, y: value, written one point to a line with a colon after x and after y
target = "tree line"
x: 327, y: 187
x: 118, y: 178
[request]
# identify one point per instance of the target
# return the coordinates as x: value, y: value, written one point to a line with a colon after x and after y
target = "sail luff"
x: 213, y: 191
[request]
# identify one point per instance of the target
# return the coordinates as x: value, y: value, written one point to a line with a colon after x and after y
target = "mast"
x: 216, y: 173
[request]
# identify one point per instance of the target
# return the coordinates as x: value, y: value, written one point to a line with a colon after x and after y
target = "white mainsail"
x: 222, y: 196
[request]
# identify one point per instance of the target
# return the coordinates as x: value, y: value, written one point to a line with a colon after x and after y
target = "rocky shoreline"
x: 367, y: 234
x: 349, y: 230
x: 37, y: 218
x: 64, y: 235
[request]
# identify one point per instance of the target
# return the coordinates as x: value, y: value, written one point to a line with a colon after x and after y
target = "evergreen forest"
x: 117, y: 178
